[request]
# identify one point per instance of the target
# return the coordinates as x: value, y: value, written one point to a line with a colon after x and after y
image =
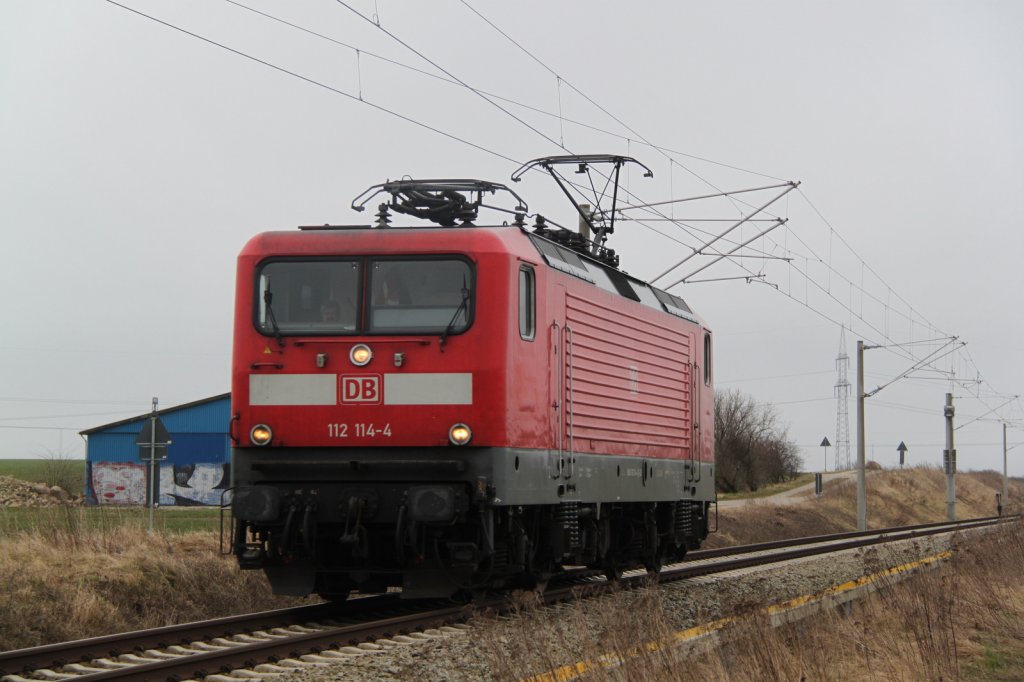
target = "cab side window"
x: 707, y: 359
x: 527, y: 303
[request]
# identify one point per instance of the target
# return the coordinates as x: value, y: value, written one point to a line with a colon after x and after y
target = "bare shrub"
x: 63, y: 470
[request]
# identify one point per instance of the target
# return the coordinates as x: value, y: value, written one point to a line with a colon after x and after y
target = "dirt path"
x: 794, y: 496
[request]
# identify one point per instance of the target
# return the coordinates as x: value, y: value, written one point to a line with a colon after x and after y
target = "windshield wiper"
x: 267, y: 298
x: 463, y: 306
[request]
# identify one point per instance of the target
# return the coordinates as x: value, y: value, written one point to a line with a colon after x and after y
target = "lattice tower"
x: 842, y: 407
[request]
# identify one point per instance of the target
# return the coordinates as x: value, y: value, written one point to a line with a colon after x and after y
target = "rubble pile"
x: 18, y: 493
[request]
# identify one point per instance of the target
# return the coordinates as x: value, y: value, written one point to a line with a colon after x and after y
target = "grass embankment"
x: 61, y: 580
x: 964, y: 620
x: 894, y: 498
x: 69, y: 572
x: 961, y: 621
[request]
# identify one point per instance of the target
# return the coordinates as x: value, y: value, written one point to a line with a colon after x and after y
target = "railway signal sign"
x: 902, y: 447
x: 153, y: 440
x: 150, y: 445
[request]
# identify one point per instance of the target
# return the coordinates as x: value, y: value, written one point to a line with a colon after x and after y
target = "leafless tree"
x: 752, y: 448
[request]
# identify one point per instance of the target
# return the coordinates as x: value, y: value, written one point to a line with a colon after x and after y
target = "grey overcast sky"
x: 137, y: 159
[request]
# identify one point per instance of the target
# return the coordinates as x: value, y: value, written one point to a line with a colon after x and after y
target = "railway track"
x: 277, y: 641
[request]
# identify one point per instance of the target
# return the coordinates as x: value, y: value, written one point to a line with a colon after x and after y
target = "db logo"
x: 360, y: 389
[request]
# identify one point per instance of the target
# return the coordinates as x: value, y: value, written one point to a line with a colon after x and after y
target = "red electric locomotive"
x: 456, y: 407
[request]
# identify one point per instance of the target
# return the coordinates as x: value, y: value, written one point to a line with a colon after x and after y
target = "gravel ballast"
x: 535, y: 641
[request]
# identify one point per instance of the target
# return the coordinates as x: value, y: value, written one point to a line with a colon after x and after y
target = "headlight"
x: 261, y: 434
x: 360, y: 355
x: 460, y: 434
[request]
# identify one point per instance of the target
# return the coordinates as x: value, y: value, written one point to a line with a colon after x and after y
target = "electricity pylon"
x: 842, y: 390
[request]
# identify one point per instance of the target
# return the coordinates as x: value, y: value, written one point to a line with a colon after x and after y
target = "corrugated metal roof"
x: 200, y: 416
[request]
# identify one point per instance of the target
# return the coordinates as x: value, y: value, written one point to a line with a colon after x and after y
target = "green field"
x: 33, y: 470
x: 83, y: 520
x: 69, y: 474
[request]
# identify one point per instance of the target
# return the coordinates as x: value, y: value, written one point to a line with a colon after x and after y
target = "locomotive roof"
x: 454, y: 204
x: 516, y: 239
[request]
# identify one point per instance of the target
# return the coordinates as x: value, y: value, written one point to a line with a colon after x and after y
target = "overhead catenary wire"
x: 61, y: 416
x: 454, y: 80
x: 41, y: 428
x: 637, y: 136
x: 883, y: 331
x: 311, y: 81
x: 480, y: 94
x: 979, y: 418
x: 590, y: 100
x: 422, y: 56
x: 507, y: 99
x: 324, y: 85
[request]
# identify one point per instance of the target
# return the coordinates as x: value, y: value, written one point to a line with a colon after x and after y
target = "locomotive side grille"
x: 631, y: 380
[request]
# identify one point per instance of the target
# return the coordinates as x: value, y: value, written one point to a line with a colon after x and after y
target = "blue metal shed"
x: 198, y: 464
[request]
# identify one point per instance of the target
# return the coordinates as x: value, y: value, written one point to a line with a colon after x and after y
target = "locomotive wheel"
x: 612, y: 571
x: 334, y: 596
x: 537, y: 577
x: 468, y: 595
x: 537, y: 583
x: 653, y: 566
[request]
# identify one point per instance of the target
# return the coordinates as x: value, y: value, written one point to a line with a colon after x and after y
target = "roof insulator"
x: 383, y: 217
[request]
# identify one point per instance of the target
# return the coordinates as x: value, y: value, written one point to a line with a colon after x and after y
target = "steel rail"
x: 821, y: 545
x: 111, y: 646
x: 811, y: 539
x: 198, y: 666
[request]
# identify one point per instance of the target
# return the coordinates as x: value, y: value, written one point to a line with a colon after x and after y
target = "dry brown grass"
x: 961, y: 621
x: 941, y: 625
x: 58, y: 584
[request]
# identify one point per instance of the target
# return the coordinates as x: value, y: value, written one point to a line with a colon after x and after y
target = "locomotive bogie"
x: 486, y: 518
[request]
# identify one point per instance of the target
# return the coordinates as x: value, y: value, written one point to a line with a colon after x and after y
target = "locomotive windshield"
x: 309, y: 297
x: 400, y: 296
x: 419, y: 295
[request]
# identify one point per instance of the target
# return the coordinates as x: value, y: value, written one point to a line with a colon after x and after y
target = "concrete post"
x: 949, y: 459
x: 862, y: 504
x: 1006, y: 490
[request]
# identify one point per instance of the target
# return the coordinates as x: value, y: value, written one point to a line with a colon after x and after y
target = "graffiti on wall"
x: 193, y: 484
x: 118, y: 483
x: 124, y: 483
